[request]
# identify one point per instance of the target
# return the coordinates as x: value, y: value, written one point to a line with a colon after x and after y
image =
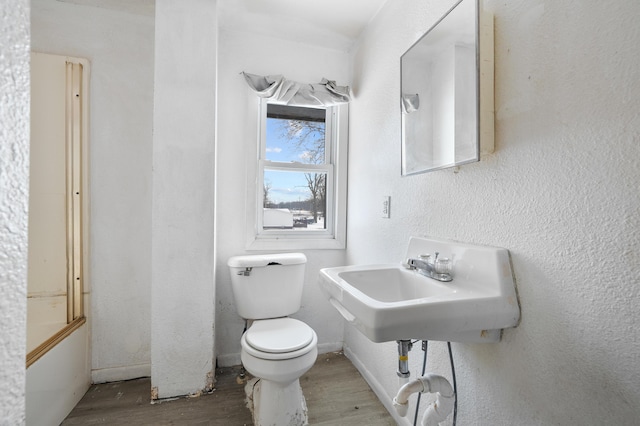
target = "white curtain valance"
x: 278, y: 89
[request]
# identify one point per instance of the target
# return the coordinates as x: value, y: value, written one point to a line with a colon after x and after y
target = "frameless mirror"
x: 447, y: 92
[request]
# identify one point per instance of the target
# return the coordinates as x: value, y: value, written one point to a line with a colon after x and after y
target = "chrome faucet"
x: 438, y: 269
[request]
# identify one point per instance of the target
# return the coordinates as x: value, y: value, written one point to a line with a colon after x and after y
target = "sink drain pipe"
x: 404, y: 346
x: 439, y: 410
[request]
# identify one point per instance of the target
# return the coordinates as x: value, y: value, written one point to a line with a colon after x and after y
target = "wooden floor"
x: 336, y: 394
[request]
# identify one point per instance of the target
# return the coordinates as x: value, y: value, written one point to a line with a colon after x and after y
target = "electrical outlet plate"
x: 386, y: 206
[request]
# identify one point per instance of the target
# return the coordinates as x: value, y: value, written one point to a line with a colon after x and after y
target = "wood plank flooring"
x: 335, y: 391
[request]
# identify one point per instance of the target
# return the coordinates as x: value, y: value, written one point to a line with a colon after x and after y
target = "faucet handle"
x: 427, y: 258
x: 443, y: 266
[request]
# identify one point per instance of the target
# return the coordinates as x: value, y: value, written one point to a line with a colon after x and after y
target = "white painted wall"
x: 183, y: 290
x: 14, y: 202
x: 237, y: 139
x: 119, y: 47
x: 560, y: 192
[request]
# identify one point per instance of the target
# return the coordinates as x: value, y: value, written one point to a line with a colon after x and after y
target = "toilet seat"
x: 280, y: 338
x: 279, y: 335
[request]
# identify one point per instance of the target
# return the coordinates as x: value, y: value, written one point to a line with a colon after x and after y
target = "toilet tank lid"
x: 253, y: 261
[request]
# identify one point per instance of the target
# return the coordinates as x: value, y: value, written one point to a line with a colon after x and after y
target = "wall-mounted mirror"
x: 447, y: 91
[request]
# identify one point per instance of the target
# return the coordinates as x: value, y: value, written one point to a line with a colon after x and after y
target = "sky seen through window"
x: 284, y: 186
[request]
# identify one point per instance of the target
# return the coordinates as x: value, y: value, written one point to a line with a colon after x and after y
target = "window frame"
x: 335, y: 167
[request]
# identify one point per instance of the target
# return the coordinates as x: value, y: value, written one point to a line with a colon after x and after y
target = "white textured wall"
x: 560, y: 192
x: 14, y: 203
x: 237, y: 139
x: 119, y: 46
x: 182, y: 293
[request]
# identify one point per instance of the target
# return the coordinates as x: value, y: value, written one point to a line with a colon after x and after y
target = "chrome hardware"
x: 436, y: 268
x: 404, y: 346
x: 246, y: 272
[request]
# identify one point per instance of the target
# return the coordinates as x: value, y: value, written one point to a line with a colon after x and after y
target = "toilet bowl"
x: 280, y: 350
x: 276, y: 349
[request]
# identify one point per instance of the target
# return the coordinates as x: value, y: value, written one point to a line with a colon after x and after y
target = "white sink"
x: 391, y: 302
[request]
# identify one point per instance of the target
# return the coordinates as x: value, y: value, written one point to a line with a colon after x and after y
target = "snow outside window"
x: 301, y: 177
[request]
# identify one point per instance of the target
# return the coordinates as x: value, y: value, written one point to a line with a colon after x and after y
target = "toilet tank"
x: 267, y: 285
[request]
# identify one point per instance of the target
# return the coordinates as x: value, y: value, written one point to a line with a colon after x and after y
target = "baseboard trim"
x: 228, y: 360
x: 116, y: 374
x: 325, y: 348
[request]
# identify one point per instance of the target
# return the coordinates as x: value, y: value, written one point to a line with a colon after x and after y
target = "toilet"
x: 276, y: 349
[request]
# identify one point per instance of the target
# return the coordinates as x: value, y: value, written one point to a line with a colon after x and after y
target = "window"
x: 301, y: 177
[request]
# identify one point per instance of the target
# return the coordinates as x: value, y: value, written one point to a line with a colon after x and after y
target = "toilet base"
x: 274, y: 403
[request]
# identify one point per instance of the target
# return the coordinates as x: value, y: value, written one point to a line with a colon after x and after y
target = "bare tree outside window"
x: 294, y: 175
x: 267, y: 203
x: 300, y: 186
x: 307, y: 137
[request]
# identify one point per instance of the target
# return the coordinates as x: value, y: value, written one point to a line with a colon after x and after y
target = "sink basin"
x: 389, y: 302
x: 392, y: 283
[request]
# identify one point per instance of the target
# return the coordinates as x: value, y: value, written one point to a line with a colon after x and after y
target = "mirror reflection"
x: 439, y: 98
